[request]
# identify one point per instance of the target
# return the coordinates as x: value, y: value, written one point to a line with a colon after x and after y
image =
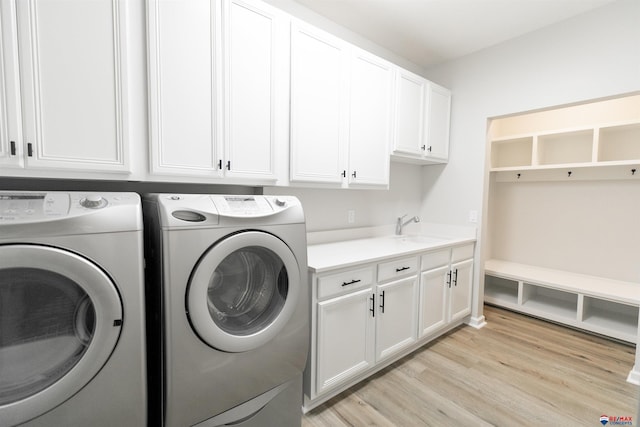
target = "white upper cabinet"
x: 340, y: 111
x: 73, y: 85
x: 436, y: 135
x: 409, y: 113
x: 370, y: 119
x: 217, y: 88
x: 184, y: 94
x: 422, y: 116
x: 319, y: 107
x: 256, y: 61
x: 10, y: 119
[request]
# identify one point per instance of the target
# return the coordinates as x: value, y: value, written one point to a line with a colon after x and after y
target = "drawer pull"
x: 449, y: 278
x: 351, y: 282
x: 382, y: 301
x: 455, y: 278
x: 402, y: 269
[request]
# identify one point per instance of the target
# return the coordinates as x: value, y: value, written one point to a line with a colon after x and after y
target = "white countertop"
x: 330, y: 256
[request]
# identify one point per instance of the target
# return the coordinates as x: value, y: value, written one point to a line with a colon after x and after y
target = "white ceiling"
x: 429, y: 32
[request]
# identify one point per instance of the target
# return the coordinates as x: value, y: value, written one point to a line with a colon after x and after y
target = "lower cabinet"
x: 345, y: 338
x: 446, y: 283
x: 366, y: 316
x: 396, y: 316
x: 433, y: 298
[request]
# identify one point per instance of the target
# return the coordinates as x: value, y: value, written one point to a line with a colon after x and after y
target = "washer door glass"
x: 54, y: 336
x: 243, y: 291
x: 47, y: 325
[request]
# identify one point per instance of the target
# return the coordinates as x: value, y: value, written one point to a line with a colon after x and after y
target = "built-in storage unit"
x: 605, y: 306
x: 561, y: 216
x: 368, y: 314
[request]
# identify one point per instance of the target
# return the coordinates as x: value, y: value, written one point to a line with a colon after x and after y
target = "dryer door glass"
x: 247, y: 290
x: 47, y: 322
x: 243, y: 291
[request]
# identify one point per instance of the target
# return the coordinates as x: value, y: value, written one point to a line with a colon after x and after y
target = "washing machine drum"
x: 60, y: 319
x: 243, y: 291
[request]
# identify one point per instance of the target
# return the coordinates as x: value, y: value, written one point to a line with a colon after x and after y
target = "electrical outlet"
x: 473, y: 216
x: 351, y: 216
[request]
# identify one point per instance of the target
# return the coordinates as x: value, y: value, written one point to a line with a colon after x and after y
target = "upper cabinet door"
x: 256, y: 58
x: 319, y: 106
x: 73, y: 74
x: 409, y: 113
x: 370, y: 119
x: 437, y: 125
x: 184, y: 95
x: 10, y: 119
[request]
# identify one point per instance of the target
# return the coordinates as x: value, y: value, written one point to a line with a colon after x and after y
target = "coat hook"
x: 633, y: 171
x: 569, y: 174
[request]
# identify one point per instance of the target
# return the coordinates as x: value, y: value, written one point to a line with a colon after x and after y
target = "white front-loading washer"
x: 230, y: 319
x: 72, y: 347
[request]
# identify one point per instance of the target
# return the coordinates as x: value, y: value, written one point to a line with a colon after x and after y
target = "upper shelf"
x: 597, y: 146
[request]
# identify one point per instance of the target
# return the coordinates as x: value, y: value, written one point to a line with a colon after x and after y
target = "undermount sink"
x: 417, y: 238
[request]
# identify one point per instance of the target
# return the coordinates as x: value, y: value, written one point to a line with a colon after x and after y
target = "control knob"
x: 93, y: 202
x: 280, y: 202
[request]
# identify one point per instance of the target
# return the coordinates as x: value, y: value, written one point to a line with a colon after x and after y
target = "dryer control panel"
x: 221, y: 210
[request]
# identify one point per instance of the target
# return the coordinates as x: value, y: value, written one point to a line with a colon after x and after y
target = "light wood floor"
x: 516, y: 371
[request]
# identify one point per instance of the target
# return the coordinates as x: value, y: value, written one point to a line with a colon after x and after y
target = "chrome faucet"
x: 400, y: 224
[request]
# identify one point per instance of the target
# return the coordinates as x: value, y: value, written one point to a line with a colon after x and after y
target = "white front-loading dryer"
x: 71, y: 310
x: 231, y: 309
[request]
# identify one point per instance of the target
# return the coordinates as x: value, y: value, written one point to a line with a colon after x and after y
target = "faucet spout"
x: 400, y: 223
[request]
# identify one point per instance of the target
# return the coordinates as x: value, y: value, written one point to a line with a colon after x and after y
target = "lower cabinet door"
x: 462, y: 278
x: 396, y: 316
x: 345, y: 338
x: 433, y: 300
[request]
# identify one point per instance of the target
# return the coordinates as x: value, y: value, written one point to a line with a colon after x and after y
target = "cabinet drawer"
x: 337, y: 283
x: 461, y: 253
x: 397, y: 268
x: 435, y: 259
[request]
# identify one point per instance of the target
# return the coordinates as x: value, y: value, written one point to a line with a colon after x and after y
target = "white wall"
x: 594, y: 55
x: 327, y: 209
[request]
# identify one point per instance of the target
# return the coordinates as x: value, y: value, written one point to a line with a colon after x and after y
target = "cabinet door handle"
x: 353, y: 174
x: 398, y: 270
x: 382, y: 301
x: 455, y: 278
x: 220, y: 164
x: 344, y: 174
x: 449, y: 278
x: 429, y: 149
x: 228, y: 165
x: 351, y: 282
x: 424, y: 147
x: 373, y: 305
x: 13, y: 148
x: 29, y: 149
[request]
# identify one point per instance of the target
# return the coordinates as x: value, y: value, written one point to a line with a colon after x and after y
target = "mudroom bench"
x: 597, y: 304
